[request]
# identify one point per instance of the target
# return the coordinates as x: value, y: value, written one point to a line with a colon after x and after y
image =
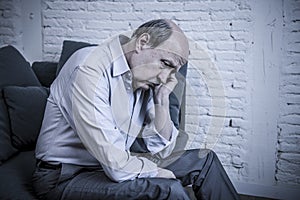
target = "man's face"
x: 153, y: 67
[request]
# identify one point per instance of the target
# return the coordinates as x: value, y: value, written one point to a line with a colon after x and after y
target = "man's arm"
x: 159, y: 133
x: 97, y: 130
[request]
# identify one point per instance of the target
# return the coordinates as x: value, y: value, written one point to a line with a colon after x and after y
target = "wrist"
x: 163, y: 100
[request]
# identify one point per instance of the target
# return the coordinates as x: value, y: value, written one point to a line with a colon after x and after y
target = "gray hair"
x: 159, y: 31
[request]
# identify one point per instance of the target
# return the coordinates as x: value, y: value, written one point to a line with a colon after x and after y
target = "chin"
x: 145, y: 87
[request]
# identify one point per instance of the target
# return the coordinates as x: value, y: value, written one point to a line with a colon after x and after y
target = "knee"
x: 213, y: 158
x: 175, y: 185
x: 176, y: 190
x: 204, y: 153
x: 212, y: 153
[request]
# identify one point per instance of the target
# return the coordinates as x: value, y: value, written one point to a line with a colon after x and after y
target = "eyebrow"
x: 171, y: 63
x: 180, y: 60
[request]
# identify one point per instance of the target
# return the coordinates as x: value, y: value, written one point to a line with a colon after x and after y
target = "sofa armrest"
x: 45, y: 72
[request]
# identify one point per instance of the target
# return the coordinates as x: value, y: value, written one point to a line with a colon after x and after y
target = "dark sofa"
x: 24, y: 91
x: 23, y: 94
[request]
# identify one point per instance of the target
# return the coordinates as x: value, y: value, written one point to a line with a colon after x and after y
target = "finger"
x: 157, y: 88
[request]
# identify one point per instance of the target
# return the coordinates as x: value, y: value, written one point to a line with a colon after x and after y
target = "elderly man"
x: 104, y: 99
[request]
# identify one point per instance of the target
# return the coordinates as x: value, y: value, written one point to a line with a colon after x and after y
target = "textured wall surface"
x: 243, y: 82
x: 10, y: 23
x: 288, y: 148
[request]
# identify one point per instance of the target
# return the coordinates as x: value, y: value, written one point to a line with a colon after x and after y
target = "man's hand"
x: 164, y: 173
x: 163, y: 123
x: 162, y: 91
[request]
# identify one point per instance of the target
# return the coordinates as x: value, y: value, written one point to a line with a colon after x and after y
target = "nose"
x: 164, y: 75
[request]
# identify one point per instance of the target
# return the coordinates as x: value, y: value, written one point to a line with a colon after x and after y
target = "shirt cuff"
x: 149, y: 168
x: 156, y: 143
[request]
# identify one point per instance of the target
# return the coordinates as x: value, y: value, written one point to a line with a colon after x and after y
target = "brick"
x: 52, y: 49
x: 290, y: 157
x: 228, y: 131
x: 217, y: 36
x: 55, y: 31
x: 191, y: 16
x: 106, y: 25
x: 160, y: 6
x: 237, y: 162
x: 287, y: 178
x: 221, y: 45
x: 241, y: 46
x: 291, y: 119
x: 287, y: 145
x: 207, y: 6
x: 82, y: 15
x: 66, y: 6
x: 123, y: 16
x: 230, y: 55
x: 289, y: 129
x: 289, y: 109
x: 109, y: 6
x: 288, y: 167
x: 7, y: 31
x: 290, y: 88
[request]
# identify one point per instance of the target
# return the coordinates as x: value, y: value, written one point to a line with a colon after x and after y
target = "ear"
x: 142, y: 42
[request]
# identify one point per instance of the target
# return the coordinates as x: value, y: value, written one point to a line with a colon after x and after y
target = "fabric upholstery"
x: 45, y: 72
x: 6, y: 148
x: 69, y: 47
x: 15, y: 176
x: 26, y: 106
x: 176, y: 96
x: 14, y: 70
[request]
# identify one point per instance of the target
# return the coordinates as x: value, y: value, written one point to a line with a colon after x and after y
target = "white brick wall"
x: 243, y: 79
x: 288, y: 146
x: 10, y: 23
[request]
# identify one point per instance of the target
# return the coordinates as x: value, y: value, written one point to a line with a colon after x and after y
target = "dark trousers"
x: 201, y: 168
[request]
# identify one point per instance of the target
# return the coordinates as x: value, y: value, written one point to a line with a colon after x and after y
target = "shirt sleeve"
x: 95, y: 126
x: 156, y: 143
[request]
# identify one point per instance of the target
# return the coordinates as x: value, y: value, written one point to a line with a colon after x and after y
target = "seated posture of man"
x: 106, y: 97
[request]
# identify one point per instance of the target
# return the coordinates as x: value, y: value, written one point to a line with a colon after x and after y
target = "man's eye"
x: 166, y: 64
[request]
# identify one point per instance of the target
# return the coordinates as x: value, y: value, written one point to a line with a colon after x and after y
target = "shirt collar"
x: 119, y: 62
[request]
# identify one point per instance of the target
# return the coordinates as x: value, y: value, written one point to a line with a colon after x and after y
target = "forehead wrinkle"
x: 179, y: 60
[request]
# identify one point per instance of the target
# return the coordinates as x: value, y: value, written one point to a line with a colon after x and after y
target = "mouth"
x: 153, y: 84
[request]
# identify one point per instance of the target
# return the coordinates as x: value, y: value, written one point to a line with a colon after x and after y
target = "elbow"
x: 119, y: 175
x: 118, y: 179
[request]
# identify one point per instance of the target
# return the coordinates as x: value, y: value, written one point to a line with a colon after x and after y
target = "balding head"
x: 165, y: 35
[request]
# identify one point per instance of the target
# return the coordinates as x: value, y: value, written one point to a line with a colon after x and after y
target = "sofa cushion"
x: 69, y: 47
x: 45, y: 72
x: 16, y: 175
x: 6, y: 148
x: 176, y: 97
x: 26, y: 106
x: 14, y: 70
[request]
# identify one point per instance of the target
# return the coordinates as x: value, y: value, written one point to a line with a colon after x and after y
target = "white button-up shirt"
x: 93, y: 116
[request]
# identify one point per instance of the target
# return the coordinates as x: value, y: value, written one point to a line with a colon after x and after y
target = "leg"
x: 203, y: 169
x: 82, y: 183
x: 91, y: 185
